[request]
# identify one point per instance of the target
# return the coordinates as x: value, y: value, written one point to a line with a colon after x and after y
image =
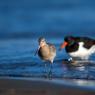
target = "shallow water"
x: 17, y: 58
x: 23, y: 22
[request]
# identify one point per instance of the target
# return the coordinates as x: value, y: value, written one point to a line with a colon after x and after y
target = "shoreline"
x: 41, y: 86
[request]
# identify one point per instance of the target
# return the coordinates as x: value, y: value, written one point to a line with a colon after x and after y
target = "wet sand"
x: 35, y: 86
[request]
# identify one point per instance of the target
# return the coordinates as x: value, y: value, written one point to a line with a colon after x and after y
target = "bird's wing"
x: 88, y: 41
x: 52, y: 47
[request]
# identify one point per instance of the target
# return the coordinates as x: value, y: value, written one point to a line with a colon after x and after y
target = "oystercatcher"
x: 79, y: 47
x: 46, y: 51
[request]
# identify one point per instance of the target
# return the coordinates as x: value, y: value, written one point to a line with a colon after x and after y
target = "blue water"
x: 17, y: 58
x: 23, y: 22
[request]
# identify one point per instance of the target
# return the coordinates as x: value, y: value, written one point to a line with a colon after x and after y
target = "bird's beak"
x: 36, y: 51
x: 63, y: 45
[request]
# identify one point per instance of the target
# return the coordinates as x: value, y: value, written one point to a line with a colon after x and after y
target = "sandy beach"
x: 35, y: 86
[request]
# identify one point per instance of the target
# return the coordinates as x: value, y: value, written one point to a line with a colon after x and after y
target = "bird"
x: 78, y: 47
x: 46, y: 51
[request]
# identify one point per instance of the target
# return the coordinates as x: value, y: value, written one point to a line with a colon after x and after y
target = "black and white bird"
x: 79, y: 47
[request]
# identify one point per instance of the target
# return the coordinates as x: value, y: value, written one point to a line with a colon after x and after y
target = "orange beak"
x: 64, y: 45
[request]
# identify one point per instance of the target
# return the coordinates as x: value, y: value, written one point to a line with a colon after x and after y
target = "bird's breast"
x: 43, y: 52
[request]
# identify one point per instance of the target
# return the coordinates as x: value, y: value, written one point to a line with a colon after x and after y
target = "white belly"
x: 82, y: 52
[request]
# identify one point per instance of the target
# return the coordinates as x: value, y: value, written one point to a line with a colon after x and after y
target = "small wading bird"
x: 46, y: 51
x: 79, y: 47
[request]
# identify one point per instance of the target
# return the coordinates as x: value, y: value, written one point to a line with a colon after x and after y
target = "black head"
x: 68, y: 40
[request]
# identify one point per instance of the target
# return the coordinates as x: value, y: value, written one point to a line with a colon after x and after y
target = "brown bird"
x: 46, y: 51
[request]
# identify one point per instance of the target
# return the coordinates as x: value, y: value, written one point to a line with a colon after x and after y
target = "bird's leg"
x: 45, y: 67
x: 73, y: 61
x: 70, y: 59
x: 45, y: 70
x: 50, y: 71
x: 50, y: 68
